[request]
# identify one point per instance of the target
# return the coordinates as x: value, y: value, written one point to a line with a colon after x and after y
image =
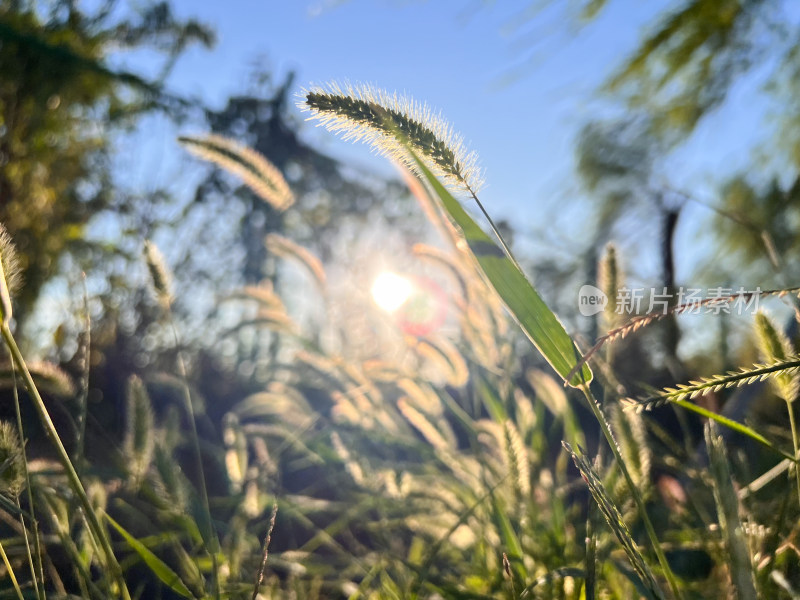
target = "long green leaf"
x: 510, y: 541
x: 518, y: 294
x: 157, y: 566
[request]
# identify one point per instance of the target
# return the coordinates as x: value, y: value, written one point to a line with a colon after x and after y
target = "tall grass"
x: 437, y: 471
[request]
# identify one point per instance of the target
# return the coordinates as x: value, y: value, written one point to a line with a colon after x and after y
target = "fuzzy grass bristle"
x: 10, y: 279
x: 12, y: 461
x: 255, y: 170
x: 609, y: 277
x: 139, y: 441
x: 160, y: 276
x: 282, y: 246
x: 388, y: 121
x: 774, y: 346
x: 706, y: 385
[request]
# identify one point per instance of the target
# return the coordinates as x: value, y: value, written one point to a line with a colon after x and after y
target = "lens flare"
x: 390, y: 291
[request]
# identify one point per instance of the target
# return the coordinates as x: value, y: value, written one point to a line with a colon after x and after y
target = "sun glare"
x: 390, y: 291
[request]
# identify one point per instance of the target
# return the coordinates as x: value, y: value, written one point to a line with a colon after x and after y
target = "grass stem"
x: 796, y: 444
x: 37, y: 571
x: 208, y: 526
x: 66, y: 463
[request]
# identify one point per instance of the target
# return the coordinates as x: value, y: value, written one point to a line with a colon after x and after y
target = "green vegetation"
x: 460, y: 445
x: 388, y: 483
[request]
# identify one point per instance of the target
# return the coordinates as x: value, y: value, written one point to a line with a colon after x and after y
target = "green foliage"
x: 430, y: 467
x: 59, y: 105
x: 704, y: 45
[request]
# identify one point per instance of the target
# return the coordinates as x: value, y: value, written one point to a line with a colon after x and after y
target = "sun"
x: 390, y: 291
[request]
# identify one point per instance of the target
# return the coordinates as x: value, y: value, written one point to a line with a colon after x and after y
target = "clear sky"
x: 517, y: 86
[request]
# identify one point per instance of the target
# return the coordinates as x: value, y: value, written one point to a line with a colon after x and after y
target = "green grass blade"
x: 424, y: 569
x: 10, y: 572
x: 509, y: 540
x: 518, y: 294
x: 159, y: 568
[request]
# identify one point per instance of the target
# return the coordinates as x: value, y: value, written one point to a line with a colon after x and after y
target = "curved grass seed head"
x: 255, y: 170
x: 12, y: 461
x: 388, y: 122
x: 774, y: 346
x: 160, y: 276
x: 9, y: 275
x: 609, y: 278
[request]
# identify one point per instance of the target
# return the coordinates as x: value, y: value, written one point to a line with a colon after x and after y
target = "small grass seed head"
x: 10, y: 278
x: 12, y: 461
x: 160, y: 277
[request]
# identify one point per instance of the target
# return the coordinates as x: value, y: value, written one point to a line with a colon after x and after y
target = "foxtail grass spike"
x: 286, y: 248
x: 12, y: 461
x: 235, y: 451
x: 9, y: 275
x: 706, y: 385
x: 48, y: 377
x: 631, y: 435
x: 160, y: 277
x: 387, y: 122
x: 422, y: 424
x: 139, y: 442
x: 609, y: 277
x: 643, y: 320
x: 257, y: 172
x: 775, y: 346
x: 727, y: 501
x: 517, y: 460
x: 615, y: 521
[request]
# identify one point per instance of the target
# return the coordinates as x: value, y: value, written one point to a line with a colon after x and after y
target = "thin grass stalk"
x: 37, y: 570
x: 510, y: 574
x: 494, y: 228
x: 11, y: 574
x: 161, y: 280
x: 651, y: 532
x: 35, y: 566
x: 187, y: 399
x: 63, y: 457
x: 590, y: 581
x: 796, y: 444
x: 265, y: 553
x: 83, y: 396
x: 639, y: 321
